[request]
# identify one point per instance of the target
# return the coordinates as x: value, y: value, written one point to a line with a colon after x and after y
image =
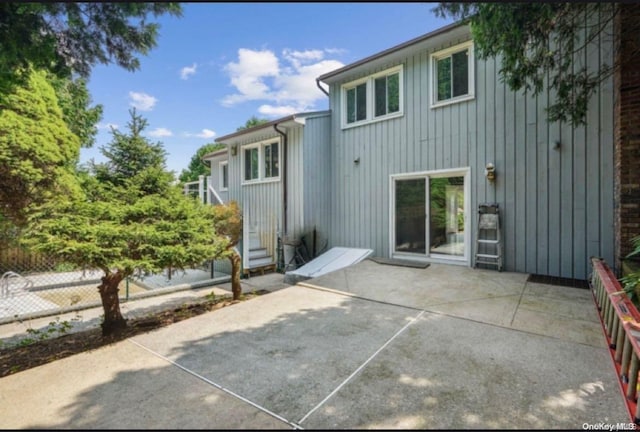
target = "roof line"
x: 392, y: 49
x: 266, y: 125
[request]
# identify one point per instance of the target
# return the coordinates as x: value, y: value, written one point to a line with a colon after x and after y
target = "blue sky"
x: 221, y: 63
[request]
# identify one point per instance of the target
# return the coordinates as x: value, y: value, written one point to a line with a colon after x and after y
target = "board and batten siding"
x: 317, y: 177
x: 556, y: 204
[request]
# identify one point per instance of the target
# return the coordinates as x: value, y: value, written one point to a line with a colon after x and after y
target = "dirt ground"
x: 27, y: 355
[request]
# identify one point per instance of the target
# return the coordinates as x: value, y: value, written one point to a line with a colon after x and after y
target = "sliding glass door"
x: 429, y: 215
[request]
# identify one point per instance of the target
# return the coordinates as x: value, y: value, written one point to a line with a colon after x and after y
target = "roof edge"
x: 388, y: 51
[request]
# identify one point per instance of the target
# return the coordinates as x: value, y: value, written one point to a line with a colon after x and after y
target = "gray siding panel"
x: 556, y: 204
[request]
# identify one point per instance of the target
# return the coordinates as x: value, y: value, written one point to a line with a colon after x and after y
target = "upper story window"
x: 373, y: 98
x: 224, y: 175
x: 452, y: 72
x: 261, y: 161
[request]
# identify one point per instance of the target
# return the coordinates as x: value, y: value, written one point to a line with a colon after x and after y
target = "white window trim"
x: 369, y: 80
x: 221, y: 166
x: 261, y: 178
x: 471, y: 78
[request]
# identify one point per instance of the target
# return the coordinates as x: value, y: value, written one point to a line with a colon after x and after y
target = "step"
x: 488, y: 241
x: 259, y: 262
x: 487, y: 256
x: 258, y: 253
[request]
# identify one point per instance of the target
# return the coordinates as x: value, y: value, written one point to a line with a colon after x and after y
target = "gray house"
x: 400, y: 163
x: 277, y: 173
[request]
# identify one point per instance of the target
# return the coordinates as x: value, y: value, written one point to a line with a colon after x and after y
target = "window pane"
x: 254, y: 163
x: 460, y: 73
x: 444, y: 78
x: 225, y: 176
x: 267, y: 161
x: 274, y: 160
x: 361, y: 101
x: 247, y: 164
x: 351, y: 105
x: 393, y: 93
x: 381, y: 96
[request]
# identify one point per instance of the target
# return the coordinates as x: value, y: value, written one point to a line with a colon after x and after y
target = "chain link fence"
x: 33, y: 285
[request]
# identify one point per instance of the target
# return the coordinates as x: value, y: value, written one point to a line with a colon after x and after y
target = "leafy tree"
x: 537, y: 42
x: 197, y: 167
x: 70, y: 37
x: 75, y: 102
x: 252, y: 122
x: 131, y: 221
x: 38, y: 151
x: 229, y: 224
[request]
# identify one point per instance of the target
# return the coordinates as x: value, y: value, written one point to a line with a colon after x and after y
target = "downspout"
x: 284, y: 180
x: 321, y: 88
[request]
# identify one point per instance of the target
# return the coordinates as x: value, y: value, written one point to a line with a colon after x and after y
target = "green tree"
x: 38, y: 151
x: 537, y: 42
x: 71, y: 37
x: 252, y: 122
x: 75, y: 102
x: 130, y: 155
x: 197, y: 167
x: 132, y: 221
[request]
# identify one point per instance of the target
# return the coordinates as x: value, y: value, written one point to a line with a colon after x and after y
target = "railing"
x: 621, y: 324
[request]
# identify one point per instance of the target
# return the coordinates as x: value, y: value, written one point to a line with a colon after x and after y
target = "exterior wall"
x: 317, y: 178
x: 627, y: 135
x: 556, y: 204
x: 215, y: 176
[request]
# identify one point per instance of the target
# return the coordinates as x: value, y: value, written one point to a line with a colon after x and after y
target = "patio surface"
x: 369, y: 346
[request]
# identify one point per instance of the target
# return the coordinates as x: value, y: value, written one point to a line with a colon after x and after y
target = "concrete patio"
x: 369, y: 346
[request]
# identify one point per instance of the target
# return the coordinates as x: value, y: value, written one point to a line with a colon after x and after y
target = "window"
x: 261, y: 162
x: 224, y: 175
x: 376, y: 97
x: 387, y: 94
x: 251, y: 164
x: 452, y: 74
x: 271, y: 160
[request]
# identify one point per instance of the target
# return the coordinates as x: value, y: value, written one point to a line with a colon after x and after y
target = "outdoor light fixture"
x: 234, y: 150
x: 490, y: 172
x: 356, y: 161
x: 555, y: 144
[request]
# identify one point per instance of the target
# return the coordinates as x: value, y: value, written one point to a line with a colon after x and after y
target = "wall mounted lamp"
x: 490, y: 172
x: 234, y: 150
x: 555, y: 144
x: 356, y: 161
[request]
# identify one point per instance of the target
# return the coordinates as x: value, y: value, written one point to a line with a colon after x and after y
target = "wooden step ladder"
x: 489, y: 235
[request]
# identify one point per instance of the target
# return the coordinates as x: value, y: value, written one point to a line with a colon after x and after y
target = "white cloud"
x: 206, y: 133
x: 187, y: 71
x: 278, y: 111
x: 107, y: 126
x: 287, y: 83
x: 142, y: 101
x: 160, y: 132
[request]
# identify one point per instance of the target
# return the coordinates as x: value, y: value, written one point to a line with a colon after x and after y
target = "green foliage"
x: 70, y: 37
x: 74, y: 101
x: 197, y: 166
x: 38, y: 151
x: 631, y: 282
x: 252, y: 122
x: 131, y: 157
x: 53, y: 329
x: 537, y: 43
x: 131, y: 219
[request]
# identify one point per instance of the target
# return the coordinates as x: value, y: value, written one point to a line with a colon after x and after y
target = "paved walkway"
x: 393, y: 348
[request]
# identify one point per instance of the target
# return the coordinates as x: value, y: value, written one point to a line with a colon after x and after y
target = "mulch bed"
x: 20, y: 358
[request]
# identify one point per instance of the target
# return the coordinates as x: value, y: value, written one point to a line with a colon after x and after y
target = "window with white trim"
x: 376, y: 97
x: 224, y: 175
x: 261, y: 161
x: 452, y: 75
